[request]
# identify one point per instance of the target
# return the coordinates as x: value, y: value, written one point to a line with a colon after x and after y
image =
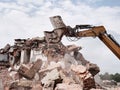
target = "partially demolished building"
x: 35, y: 64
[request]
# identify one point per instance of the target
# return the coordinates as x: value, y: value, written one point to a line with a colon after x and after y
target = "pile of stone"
x: 40, y: 64
x: 45, y: 66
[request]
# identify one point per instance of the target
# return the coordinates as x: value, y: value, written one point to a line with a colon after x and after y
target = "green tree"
x: 116, y: 77
x: 105, y: 76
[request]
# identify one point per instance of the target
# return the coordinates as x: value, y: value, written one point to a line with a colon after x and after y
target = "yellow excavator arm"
x: 101, y: 33
x: 61, y: 29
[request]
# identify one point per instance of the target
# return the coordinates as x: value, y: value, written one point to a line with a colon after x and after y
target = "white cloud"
x: 29, y: 18
x: 36, y: 2
x: 93, y: 1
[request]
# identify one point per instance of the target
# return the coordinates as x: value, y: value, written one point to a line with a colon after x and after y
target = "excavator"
x: 60, y: 30
x: 79, y: 31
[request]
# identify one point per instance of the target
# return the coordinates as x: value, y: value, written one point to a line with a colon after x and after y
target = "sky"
x: 30, y: 18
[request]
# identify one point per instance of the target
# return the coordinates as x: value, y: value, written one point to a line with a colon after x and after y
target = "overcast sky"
x: 29, y: 18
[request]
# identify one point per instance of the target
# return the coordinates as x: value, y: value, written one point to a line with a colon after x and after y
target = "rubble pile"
x: 44, y: 63
x: 38, y: 65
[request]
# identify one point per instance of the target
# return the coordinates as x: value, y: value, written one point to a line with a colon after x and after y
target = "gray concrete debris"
x: 30, y: 73
x: 29, y: 84
x: 50, y: 77
x: 37, y: 87
x: 67, y: 61
x: 44, y: 63
x: 93, y: 68
x: 5, y: 49
x: 73, y: 48
x: 85, y: 76
x: 38, y: 65
x: 79, y: 58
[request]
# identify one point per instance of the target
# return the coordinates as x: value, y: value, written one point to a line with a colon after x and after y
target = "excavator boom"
x: 61, y: 29
x: 101, y: 33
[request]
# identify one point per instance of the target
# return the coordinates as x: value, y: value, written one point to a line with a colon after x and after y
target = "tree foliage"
x: 107, y: 76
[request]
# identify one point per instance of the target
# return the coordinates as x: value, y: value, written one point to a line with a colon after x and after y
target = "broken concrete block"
x: 65, y: 78
x: 37, y: 87
x: 64, y: 86
x: 23, y: 70
x: 79, y: 69
x: 53, y: 65
x: 57, y: 22
x: 93, y: 68
x: 79, y: 58
x: 5, y: 49
x: 68, y: 60
x: 68, y: 80
x: 24, y: 83
x: 22, y: 86
x: 85, y: 76
x: 59, y: 27
x: 72, y: 48
x: 51, y: 76
x: 89, y: 83
x: 37, y: 65
x: 30, y: 73
x: 50, y: 87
